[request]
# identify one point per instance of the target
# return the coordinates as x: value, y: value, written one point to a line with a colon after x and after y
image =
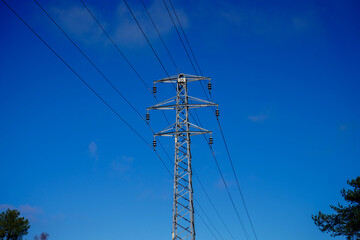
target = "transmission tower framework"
x: 183, y: 227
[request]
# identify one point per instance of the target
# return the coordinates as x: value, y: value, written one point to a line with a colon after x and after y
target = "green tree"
x: 12, y: 226
x: 346, y: 219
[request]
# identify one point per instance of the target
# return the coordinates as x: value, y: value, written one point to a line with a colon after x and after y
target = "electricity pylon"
x: 183, y: 209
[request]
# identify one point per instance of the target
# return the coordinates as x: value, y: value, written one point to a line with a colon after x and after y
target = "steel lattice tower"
x: 183, y: 209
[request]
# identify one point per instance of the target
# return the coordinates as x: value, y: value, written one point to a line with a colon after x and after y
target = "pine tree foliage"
x: 12, y: 226
x: 346, y: 219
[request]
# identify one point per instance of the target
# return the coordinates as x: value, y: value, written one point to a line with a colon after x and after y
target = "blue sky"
x: 285, y: 74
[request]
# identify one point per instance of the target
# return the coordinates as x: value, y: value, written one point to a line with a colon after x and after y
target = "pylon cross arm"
x: 171, y: 131
x: 191, y: 102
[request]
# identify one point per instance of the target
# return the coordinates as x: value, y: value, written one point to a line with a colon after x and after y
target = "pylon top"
x: 182, y: 77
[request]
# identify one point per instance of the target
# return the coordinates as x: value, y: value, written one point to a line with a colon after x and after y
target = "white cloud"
x: 158, y: 194
x: 220, y: 184
x: 276, y: 22
x: 127, y: 31
x: 119, y: 24
x: 122, y: 164
x: 343, y: 127
x: 76, y: 21
x: 26, y: 210
x: 6, y: 206
x: 258, y: 118
x: 93, y: 150
x: 30, y: 210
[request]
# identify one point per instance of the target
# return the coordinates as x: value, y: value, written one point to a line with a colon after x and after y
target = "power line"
x: 142, y: 33
x: 236, y: 178
x: 98, y: 70
x: 87, y: 85
x: 218, y: 167
x: 90, y: 61
x: 238, y: 185
x: 117, y: 48
x: 226, y: 187
x: 228, y: 192
x: 148, y: 41
x: 186, y: 39
x: 132, y: 67
x: 152, y: 48
x: 209, y: 219
x: 190, y: 112
x: 221, y: 130
x: 162, y: 40
x: 177, y: 31
x: 121, y: 53
x: 84, y: 82
x: 207, y: 226
x: 153, y: 23
x: 175, y: 87
x: 212, y: 204
x: 138, y: 24
x: 183, y: 44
